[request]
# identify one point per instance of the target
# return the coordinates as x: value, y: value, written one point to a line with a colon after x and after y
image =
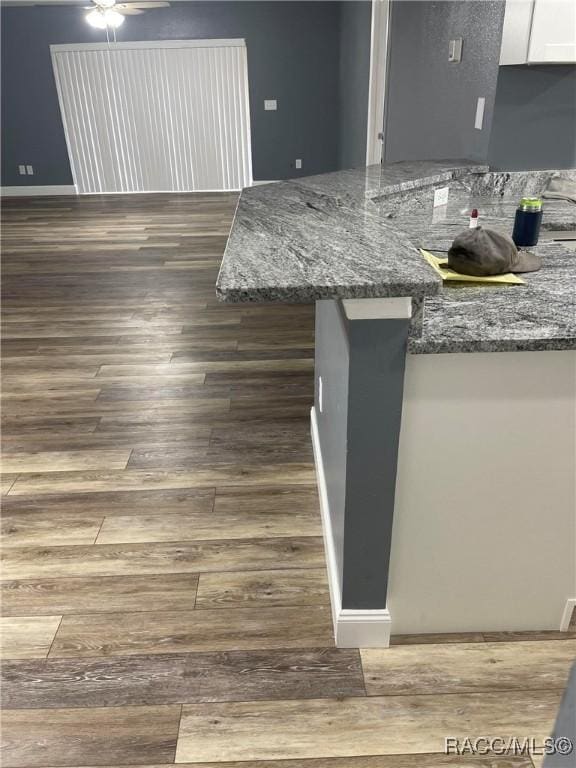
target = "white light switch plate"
x: 22, y: 170
x: 479, y: 120
x: 30, y: 170
x: 270, y: 105
x: 298, y: 163
x: 441, y: 196
x: 455, y: 50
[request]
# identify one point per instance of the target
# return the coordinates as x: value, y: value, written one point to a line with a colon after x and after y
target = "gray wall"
x: 432, y: 103
x: 534, y: 122
x: 293, y: 52
x: 355, y: 28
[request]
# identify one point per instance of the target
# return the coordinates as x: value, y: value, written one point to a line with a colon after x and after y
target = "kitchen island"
x: 444, y: 418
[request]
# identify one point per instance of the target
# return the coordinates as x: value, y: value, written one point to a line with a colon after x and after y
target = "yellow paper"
x: 449, y: 275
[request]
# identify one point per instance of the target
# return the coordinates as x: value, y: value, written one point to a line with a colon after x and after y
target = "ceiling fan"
x: 106, y: 14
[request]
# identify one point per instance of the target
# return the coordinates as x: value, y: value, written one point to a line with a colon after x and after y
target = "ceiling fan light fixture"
x: 113, y: 18
x: 96, y: 19
x: 101, y: 19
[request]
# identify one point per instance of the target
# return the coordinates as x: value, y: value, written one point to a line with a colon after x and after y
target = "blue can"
x: 527, y: 222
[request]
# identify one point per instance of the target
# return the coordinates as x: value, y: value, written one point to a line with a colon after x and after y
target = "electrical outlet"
x: 441, y: 197
x: 439, y: 214
x: 298, y: 163
x: 270, y: 105
x: 22, y: 170
x: 479, y: 119
x: 30, y: 170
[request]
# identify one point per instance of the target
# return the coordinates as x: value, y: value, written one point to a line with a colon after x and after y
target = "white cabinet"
x: 539, y: 32
x: 553, y: 36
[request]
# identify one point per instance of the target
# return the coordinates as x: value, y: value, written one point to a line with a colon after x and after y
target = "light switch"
x: 22, y: 170
x: 270, y: 105
x: 479, y: 119
x: 298, y: 163
x: 455, y: 50
x: 30, y: 170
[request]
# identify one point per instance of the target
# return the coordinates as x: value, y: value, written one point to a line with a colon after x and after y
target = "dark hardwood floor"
x: 164, y: 594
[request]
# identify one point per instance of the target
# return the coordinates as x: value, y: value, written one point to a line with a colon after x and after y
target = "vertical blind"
x: 156, y: 117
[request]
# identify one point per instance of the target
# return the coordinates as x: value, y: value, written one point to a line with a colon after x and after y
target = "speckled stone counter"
x: 378, y: 181
x: 356, y: 234
x: 323, y: 237
x: 540, y: 315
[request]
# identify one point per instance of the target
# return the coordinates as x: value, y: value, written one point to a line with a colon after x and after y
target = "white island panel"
x: 484, y: 535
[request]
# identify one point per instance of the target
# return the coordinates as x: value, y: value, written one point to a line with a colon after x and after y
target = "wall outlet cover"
x: 298, y: 163
x: 439, y: 213
x: 441, y: 196
x: 270, y: 105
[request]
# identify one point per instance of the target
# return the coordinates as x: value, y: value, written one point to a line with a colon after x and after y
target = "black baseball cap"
x: 482, y: 252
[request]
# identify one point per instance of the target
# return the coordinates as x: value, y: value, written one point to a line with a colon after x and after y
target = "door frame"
x: 379, y: 48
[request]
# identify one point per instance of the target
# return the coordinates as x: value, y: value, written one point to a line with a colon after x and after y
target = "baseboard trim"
x: 569, y: 609
x: 40, y: 191
x: 352, y: 628
x: 70, y: 189
x: 333, y: 579
x: 163, y: 192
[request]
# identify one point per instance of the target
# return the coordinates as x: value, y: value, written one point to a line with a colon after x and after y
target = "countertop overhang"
x: 356, y: 234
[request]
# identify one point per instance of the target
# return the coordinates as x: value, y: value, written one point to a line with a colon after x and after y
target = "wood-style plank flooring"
x: 164, y: 594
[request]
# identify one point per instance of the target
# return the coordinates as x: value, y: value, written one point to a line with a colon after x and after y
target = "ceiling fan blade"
x: 126, y: 10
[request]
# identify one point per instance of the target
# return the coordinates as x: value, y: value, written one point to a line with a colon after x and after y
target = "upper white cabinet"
x: 539, y: 32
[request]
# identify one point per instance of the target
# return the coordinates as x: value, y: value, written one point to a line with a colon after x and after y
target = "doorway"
x: 377, y: 88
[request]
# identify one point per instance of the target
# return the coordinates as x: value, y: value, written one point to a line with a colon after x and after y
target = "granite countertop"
x: 377, y: 181
x: 322, y: 237
x: 540, y: 315
x: 356, y: 234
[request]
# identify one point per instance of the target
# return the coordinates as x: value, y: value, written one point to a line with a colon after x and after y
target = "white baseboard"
x: 567, y: 615
x: 41, y: 191
x: 352, y: 628
x: 161, y: 192
x: 70, y: 189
